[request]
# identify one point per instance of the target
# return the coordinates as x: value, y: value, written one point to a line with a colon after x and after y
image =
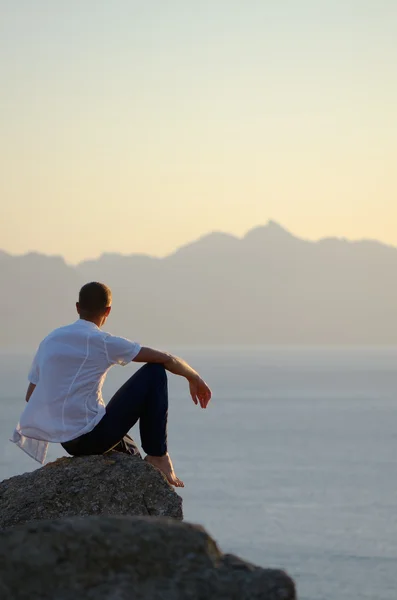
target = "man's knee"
x: 156, y: 370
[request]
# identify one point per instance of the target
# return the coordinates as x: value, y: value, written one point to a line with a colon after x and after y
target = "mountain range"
x: 268, y: 287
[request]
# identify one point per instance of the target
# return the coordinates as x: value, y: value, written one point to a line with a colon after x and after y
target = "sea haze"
x: 293, y: 465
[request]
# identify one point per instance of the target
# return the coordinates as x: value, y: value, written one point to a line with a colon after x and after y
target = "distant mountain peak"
x: 272, y: 230
x: 274, y: 227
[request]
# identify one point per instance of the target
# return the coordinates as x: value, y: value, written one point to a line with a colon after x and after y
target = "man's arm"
x: 30, y: 391
x: 174, y: 365
x: 199, y: 390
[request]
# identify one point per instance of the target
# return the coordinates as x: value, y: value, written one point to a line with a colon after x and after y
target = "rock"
x: 127, y: 558
x: 113, y: 484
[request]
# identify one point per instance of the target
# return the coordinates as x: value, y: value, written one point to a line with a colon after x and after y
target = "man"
x: 64, y: 396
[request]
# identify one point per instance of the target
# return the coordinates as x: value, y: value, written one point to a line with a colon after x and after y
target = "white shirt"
x: 68, y: 371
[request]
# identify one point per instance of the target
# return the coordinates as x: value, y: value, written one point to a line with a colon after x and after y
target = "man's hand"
x: 199, y: 391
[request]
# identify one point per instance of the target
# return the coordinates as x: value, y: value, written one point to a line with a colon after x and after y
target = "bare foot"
x: 164, y: 464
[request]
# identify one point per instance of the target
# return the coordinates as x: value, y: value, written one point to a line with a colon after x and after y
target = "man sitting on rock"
x: 64, y: 396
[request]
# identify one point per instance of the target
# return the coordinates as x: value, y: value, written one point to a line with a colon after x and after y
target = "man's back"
x: 68, y: 371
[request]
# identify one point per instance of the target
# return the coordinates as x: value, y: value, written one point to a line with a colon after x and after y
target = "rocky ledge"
x: 109, y: 528
x: 109, y: 558
x: 113, y: 484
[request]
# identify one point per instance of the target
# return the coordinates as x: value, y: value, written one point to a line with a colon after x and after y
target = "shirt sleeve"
x: 34, y: 372
x: 119, y: 350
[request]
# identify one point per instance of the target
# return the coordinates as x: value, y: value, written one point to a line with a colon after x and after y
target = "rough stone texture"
x: 114, y: 484
x: 127, y: 558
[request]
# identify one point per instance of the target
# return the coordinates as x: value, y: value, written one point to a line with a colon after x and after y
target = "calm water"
x: 294, y: 465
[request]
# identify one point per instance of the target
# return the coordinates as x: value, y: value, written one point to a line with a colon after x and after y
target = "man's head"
x: 95, y: 300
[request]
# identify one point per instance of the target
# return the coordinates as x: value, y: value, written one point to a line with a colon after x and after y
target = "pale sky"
x: 139, y: 125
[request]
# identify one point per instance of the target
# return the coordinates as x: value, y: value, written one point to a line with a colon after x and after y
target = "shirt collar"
x: 88, y: 324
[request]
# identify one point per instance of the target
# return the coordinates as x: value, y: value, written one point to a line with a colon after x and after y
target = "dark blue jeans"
x: 143, y: 397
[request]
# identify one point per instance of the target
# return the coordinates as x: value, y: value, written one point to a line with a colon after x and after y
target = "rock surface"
x: 125, y: 558
x: 114, y: 484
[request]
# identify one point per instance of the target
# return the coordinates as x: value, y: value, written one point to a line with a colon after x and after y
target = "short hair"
x: 95, y: 297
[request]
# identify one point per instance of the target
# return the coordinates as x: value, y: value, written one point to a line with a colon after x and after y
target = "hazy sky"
x: 138, y: 125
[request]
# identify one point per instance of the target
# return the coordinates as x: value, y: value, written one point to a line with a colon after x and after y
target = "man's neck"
x: 98, y: 321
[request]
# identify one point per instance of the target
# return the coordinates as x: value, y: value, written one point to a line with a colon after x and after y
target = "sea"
x: 293, y: 465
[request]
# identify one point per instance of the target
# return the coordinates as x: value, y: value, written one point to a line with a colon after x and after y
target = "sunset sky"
x: 136, y: 126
